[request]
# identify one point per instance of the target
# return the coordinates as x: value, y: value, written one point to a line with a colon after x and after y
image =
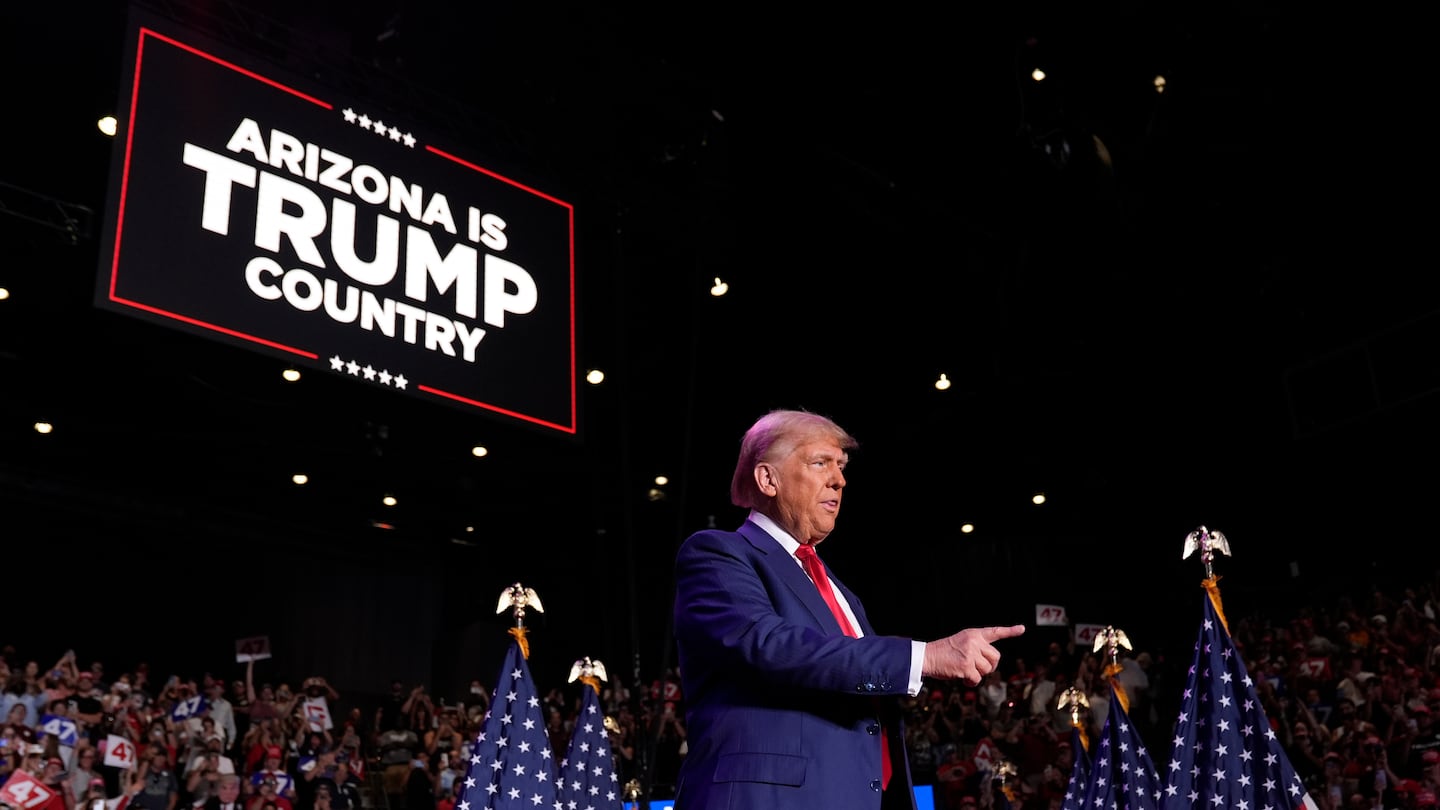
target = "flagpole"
x: 1207, y: 543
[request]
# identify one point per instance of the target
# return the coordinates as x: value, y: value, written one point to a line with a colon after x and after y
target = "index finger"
x: 996, y: 633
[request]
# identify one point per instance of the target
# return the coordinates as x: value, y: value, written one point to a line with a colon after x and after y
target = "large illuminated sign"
x: 248, y: 207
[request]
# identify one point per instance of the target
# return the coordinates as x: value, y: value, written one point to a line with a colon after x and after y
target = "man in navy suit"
x: 787, y: 708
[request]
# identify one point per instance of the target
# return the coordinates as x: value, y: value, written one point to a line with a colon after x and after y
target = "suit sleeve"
x: 737, y: 614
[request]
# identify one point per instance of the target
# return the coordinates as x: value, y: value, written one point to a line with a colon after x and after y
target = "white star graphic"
x: 369, y: 372
x: 409, y: 140
x: 395, y: 134
x: 401, y: 382
x: 349, y: 115
x: 336, y: 363
x: 364, y: 122
x: 353, y: 367
x: 384, y: 376
x: 380, y: 128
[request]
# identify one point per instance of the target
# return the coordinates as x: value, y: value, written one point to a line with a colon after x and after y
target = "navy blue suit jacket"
x: 783, y: 710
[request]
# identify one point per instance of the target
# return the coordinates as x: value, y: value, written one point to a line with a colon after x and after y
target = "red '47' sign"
x: 23, y: 791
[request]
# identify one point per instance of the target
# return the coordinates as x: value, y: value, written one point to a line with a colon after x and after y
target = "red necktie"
x: 816, y: 569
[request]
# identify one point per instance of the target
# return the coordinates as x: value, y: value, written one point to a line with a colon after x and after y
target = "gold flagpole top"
x: 589, y: 671
x: 1207, y: 543
x: 1112, y: 639
x: 517, y: 598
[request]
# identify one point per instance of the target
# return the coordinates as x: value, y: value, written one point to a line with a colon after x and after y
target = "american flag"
x: 511, y: 764
x: 1225, y: 753
x: 1123, y: 776
x: 587, y: 773
x: 1079, y: 772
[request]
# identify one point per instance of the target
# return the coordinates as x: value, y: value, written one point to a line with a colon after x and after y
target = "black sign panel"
x: 285, y: 219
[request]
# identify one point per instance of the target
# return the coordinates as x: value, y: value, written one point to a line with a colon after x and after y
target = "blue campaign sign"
x: 62, y: 728
x: 187, y: 708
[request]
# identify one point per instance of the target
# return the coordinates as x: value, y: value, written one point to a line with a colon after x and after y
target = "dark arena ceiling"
x: 1210, y: 304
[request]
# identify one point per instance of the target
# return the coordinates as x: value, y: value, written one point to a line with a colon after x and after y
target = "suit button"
x: 873, y: 728
x: 875, y: 785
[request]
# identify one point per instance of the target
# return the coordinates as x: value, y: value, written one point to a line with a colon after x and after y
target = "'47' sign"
x: 62, y: 728
x: 119, y: 752
x: 1051, y: 616
x: 23, y: 791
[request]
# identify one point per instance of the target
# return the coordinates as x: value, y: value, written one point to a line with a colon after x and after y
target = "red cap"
x: 1425, y: 798
x: 273, y: 752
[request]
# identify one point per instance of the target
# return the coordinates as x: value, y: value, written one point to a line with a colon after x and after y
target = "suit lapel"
x: 785, y: 569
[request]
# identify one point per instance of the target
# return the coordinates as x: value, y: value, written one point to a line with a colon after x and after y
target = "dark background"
x: 1213, y: 305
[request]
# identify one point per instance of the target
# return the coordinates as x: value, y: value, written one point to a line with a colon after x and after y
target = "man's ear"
x: 765, y: 479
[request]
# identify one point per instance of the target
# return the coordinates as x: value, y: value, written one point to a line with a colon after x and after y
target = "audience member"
x: 1335, y: 680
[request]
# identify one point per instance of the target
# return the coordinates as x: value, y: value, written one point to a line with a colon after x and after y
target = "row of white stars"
x: 378, y: 127
x: 354, y: 369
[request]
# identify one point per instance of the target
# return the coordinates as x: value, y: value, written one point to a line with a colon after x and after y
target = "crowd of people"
x: 1352, y: 689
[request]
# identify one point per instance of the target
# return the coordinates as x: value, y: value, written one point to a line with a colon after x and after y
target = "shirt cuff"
x: 917, y: 666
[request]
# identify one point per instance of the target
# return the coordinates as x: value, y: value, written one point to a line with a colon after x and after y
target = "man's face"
x: 229, y: 790
x: 806, y: 486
